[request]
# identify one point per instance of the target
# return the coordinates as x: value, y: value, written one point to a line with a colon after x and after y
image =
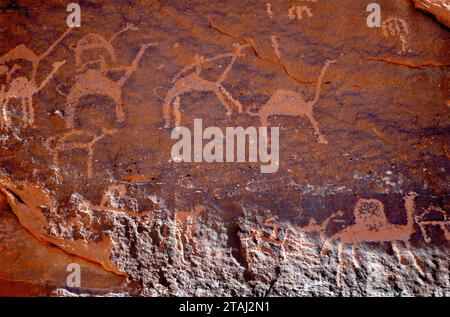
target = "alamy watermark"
x: 236, y: 144
x: 74, y: 278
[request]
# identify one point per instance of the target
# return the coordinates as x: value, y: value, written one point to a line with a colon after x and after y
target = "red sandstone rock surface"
x: 358, y: 207
x: 439, y: 8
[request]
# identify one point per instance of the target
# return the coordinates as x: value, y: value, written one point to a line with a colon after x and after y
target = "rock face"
x: 358, y: 205
x: 439, y: 8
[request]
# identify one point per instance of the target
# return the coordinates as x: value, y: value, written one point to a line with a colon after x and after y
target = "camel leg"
x: 5, y: 112
x: 397, y: 251
x: 24, y: 105
x: 30, y: 110
x: 235, y: 102
x: 89, y: 162
x: 325, y: 249
x: 223, y: 101
x: 341, y: 264
x: 177, y: 111
x: 6, y: 117
x: 413, y: 256
x: 166, y: 114
x: 321, y: 137
x: 356, y: 258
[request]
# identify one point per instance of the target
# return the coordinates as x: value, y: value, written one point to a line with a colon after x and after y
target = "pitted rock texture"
x: 358, y: 207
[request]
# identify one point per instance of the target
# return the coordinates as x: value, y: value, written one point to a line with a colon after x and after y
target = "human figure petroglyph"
x: 290, y: 103
x: 397, y: 27
x: 192, y: 82
x: 58, y: 144
x: 21, y: 87
x: 371, y: 225
x: 434, y: 217
x: 185, y: 221
x: 91, y: 81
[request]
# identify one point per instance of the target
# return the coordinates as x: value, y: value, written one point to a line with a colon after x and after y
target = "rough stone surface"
x: 358, y: 207
x: 439, y: 8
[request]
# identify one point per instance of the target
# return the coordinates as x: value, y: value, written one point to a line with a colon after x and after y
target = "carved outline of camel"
x: 96, y: 82
x: 294, y: 105
x: 61, y: 145
x: 193, y: 82
x: 275, y: 238
x: 21, y: 87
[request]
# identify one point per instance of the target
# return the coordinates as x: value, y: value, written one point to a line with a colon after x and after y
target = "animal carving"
x: 371, y: 225
x: 22, y: 87
x: 183, y: 84
x: 73, y: 140
x: 296, y: 12
x: 287, y: 240
x: 397, y: 27
x: 91, y: 81
x: 434, y: 217
x: 185, y: 221
x: 291, y: 103
x: 31, y: 204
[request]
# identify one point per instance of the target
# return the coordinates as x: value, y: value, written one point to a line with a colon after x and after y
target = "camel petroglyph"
x: 68, y: 142
x: 192, y: 82
x: 291, y: 103
x: 22, y: 87
x: 397, y: 27
x: 91, y: 81
x: 434, y: 217
x: 371, y: 225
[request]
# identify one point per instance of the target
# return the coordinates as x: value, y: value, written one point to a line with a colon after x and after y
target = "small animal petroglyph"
x: 397, y: 27
x: 110, y: 204
x: 296, y: 12
x: 24, y: 88
x: 371, y: 225
x: 183, y: 84
x: 434, y: 217
x: 185, y: 221
x: 288, y: 241
x: 91, y: 81
x: 291, y: 103
x: 68, y: 142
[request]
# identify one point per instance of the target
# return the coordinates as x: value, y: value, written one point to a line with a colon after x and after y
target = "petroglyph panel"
x: 358, y: 206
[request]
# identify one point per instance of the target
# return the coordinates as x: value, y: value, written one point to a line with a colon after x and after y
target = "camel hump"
x: 369, y: 213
